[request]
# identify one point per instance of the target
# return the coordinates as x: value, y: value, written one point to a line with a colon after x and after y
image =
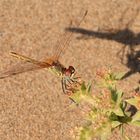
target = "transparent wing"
x: 27, y: 64
x: 19, y: 68
x: 62, y: 44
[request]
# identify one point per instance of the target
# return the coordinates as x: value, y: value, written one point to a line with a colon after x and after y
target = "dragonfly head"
x: 71, y: 69
x: 69, y: 72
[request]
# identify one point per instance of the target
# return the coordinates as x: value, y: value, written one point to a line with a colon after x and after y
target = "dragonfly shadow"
x: 127, y: 37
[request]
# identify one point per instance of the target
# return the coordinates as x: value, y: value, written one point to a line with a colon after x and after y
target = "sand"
x: 32, y: 104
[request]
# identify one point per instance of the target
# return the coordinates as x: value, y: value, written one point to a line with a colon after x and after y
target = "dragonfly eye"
x: 71, y: 68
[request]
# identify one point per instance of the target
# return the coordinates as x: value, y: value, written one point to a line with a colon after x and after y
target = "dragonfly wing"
x: 66, y: 38
x: 20, y: 68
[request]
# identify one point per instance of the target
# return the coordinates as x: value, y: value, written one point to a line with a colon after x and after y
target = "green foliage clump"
x: 108, y: 109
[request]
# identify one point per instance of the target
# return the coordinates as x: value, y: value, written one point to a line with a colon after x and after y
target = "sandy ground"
x: 32, y: 105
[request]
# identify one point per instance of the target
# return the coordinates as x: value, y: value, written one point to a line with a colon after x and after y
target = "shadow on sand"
x: 128, y: 38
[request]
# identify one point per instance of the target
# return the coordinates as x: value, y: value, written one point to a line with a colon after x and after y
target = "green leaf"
x: 128, y: 113
x: 135, y: 123
x: 89, y: 87
x: 76, y: 97
x: 119, y: 96
x: 118, y: 111
x: 121, y: 130
x: 86, y: 133
x: 115, y: 124
x: 136, y: 117
x: 127, y: 138
x: 119, y: 76
x: 123, y: 105
x: 113, y: 117
x: 113, y: 94
x: 110, y: 76
x: 132, y: 101
x: 83, y: 95
x: 83, y: 87
x: 93, y: 114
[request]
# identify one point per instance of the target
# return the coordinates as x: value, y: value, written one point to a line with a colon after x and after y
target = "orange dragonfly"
x: 67, y: 74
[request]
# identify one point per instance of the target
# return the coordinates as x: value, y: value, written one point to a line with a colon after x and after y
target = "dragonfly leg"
x: 63, y: 83
x: 69, y: 80
x: 67, y: 85
x: 66, y: 90
x: 74, y: 78
x: 73, y: 101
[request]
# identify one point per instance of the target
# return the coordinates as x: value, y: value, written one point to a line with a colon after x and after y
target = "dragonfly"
x: 67, y: 75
